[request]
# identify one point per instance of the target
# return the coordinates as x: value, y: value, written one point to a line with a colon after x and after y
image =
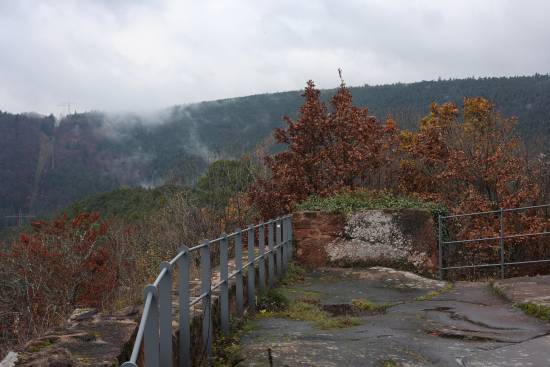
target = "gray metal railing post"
x: 285, y: 243
x: 250, y: 272
x: 151, y: 332
x: 501, y: 243
x: 238, y: 269
x: 184, y: 320
x: 289, y: 218
x: 440, y: 251
x: 271, y: 264
x: 165, y: 300
x: 224, y: 293
x: 206, y: 301
x: 261, y: 261
x: 279, y: 268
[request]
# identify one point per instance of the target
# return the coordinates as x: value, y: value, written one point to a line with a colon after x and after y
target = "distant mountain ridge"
x: 94, y: 152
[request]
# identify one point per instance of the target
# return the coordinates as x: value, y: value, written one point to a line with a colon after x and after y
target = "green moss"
x: 309, y: 299
x: 341, y: 322
x: 365, y: 305
x: 292, y: 290
x: 539, y: 312
x: 329, y: 278
x: 272, y: 300
x: 82, y: 359
x: 40, y: 347
x: 429, y: 296
x: 263, y: 314
x: 497, y: 292
x: 98, y: 334
x: 248, y: 327
x: 301, y: 311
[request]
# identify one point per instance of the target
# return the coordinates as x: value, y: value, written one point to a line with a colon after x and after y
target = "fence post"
x: 440, y: 251
x: 284, y: 222
x: 185, y: 337
x: 289, y: 236
x: 224, y: 292
x: 239, y: 270
x: 206, y: 301
x: 151, y: 332
x: 261, y: 262
x: 271, y: 267
x: 250, y: 268
x: 165, y: 300
x: 501, y: 243
x: 279, y: 269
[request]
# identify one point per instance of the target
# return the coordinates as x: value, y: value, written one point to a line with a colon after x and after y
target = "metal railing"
x: 502, y: 237
x: 156, y: 324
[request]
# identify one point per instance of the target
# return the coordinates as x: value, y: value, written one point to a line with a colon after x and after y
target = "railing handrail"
x: 149, y: 325
x: 502, y: 237
x: 495, y: 211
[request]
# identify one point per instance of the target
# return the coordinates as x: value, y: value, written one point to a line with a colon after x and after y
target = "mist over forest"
x: 48, y: 162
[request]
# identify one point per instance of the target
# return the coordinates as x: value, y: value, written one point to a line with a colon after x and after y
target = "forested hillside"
x: 45, y: 165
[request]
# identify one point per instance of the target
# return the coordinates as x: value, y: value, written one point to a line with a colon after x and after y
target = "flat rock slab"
x: 377, y: 284
x: 535, y: 290
x: 466, y: 326
x: 531, y: 353
x: 86, y: 339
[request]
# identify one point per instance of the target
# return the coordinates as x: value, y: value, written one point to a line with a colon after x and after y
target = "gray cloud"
x: 142, y: 55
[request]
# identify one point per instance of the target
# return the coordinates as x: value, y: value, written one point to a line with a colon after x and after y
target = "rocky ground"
x: 471, y: 324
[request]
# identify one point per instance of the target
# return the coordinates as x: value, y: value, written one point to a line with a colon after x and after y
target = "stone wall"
x: 404, y: 239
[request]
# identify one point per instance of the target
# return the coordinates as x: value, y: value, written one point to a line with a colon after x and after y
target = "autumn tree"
x: 473, y: 161
x: 476, y: 159
x: 333, y: 145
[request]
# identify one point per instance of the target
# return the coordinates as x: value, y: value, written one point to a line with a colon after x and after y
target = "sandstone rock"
x: 369, y: 237
x: 86, y: 339
x: 526, y: 290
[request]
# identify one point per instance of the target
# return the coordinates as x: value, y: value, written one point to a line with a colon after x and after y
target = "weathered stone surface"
x: 86, y: 339
x: 311, y: 251
x: 466, y: 326
x: 302, y: 224
x: 530, y: 353
x: 526, y: 290
x: 369, y: 237
x: 10, y: 360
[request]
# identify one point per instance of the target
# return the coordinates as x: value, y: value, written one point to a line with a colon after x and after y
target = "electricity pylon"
x: 21, y: 216
x: 68, y: 104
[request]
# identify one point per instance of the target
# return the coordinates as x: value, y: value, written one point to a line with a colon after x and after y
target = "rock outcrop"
x: 86, y: 339
x: 370, y: 237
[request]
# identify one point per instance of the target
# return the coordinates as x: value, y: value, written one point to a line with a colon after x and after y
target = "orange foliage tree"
x: 331, y: 146
x: 475, y: 164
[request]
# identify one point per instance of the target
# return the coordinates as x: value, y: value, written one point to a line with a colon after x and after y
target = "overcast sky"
x: 138, y: 55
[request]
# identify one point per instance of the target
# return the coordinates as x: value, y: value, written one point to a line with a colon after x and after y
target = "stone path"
x: 468, y: 325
